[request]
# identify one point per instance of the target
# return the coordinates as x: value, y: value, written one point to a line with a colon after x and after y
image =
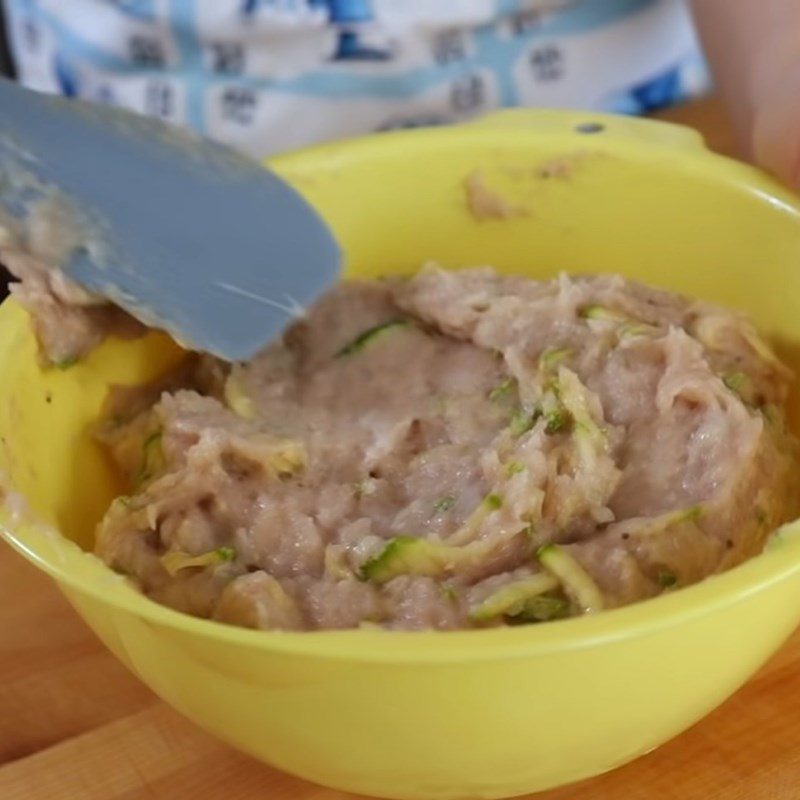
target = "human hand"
x: 775, y: 127
x: 754, y: 52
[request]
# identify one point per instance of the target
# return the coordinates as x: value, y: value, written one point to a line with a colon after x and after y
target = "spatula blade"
x: 184, y: 234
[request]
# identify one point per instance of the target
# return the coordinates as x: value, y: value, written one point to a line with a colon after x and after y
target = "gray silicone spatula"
x: 184, y: 234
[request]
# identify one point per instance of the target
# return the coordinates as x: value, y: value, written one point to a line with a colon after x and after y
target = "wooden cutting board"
x: 75, y: 725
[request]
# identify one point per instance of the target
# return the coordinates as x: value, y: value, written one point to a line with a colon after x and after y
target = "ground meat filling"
x: 460, y: 449
x: 67, y: 320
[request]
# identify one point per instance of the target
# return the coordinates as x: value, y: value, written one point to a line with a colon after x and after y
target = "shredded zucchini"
x: 628, y: 326
x: 576, y: 581
x: 742, y: 386
x: 369, y: 335
x: 237, y: 399
x: 543, y: 608
x: 152, y: 459
x: 771, y: 413
x: 662, y: 522
x: 176, y: 560
x: 493, y: 501
x: 559, y: 420
x: 410, y: 555
x: 522, y: 421
x: 288, y: 460
x: 591, y: 439
x: 603, y: 313
x: 711, y: 330
x: 552, y: 357
x: 630, y: 329
x: 444, y: 504
x: 503, y: 391
x: 667, y: 579
x: 449, y: 593
x: 489, y: 504
x: 279, y: 458
x: 735, y: 381
x: 511, y: 598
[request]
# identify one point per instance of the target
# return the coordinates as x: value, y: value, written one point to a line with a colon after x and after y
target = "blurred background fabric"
x: 270, y: 75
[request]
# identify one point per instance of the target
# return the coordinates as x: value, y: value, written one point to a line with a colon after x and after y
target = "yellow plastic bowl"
x: 474, y: 713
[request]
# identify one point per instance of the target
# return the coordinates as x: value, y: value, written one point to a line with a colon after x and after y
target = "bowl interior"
x: 638, y: 198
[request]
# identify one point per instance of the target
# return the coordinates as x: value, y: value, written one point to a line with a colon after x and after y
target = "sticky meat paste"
x: 68, y: 321
x: 455, y: 450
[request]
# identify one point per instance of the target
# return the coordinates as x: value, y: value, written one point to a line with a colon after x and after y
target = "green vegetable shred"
x: 369, y: 335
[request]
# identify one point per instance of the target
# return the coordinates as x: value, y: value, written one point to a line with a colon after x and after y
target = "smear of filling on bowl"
x: 69, y: 321
x: 455, y: 450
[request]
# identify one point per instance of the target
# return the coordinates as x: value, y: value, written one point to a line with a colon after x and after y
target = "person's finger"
x: 776, y: 128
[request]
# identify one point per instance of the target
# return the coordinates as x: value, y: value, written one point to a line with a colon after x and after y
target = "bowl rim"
x: 635, y: 138
x: 66, y: 562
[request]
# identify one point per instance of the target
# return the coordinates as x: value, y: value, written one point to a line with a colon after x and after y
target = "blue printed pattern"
x: 270, y: 74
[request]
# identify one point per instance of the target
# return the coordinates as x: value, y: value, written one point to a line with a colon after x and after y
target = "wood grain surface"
x: 75, y: 725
